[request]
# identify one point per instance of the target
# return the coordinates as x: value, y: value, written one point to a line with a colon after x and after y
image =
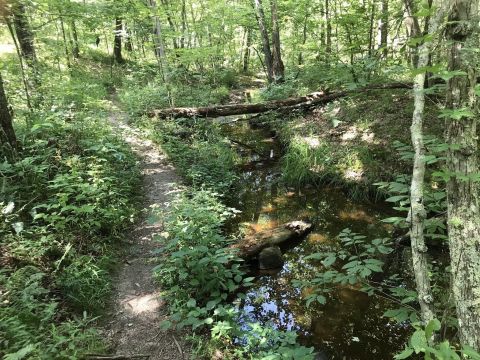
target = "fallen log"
x: 313, y: 99
x: 250, y: 246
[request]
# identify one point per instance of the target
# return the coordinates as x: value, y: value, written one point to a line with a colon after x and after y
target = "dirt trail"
x: 133, y: 328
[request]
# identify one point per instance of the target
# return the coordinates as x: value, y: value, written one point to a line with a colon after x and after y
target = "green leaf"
x: 191, y: 303
x: 419, y: 341
x: 20, y: 354
x: 456, y: 114
x: 165, y: 325
x: 470, y: 352
x: 404, y: 354
x: 432, y: 326
x: 397, y: 198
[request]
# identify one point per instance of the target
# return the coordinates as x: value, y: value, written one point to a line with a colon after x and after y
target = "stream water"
x: 350, y: 325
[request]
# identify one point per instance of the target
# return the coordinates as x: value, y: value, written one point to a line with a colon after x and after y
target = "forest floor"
x: 137, y: 310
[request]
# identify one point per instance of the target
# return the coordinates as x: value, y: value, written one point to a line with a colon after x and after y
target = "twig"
x: 178, y: 346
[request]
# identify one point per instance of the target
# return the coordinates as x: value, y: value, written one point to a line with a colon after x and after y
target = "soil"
x: 138, y: 310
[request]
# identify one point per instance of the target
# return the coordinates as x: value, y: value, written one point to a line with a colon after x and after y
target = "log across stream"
x: 350, y: 325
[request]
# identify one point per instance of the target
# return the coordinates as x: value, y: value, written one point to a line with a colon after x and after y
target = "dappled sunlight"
x: 350, y: 134
x: 317, y: 238
x: 356, y: 215
x: 268, y: 208
x: 141, y: 304
x: 262, y: 225
x: 312, y: 141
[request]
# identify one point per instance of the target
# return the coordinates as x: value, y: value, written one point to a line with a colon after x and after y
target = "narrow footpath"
x: 133, y: 329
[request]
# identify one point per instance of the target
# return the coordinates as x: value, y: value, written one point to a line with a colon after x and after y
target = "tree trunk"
x: 417, y: 214
x: 117, y: 43
x: 412, y: 27
x: 304, y: 38
x: 76, y: 46
x: 246, y: 52
x: 370, y: 32
x: 278, y: 67
x: 462, y: 187
x: 313, y: 99
x: 265, y: 40
x: 24, y: 33
x: 383, y: 28
x: 328, y: 49
x: 65, y: 44
x: 184, y: 24
x: 159, y: 48
x: 6, y: 121
x: 173, y: 29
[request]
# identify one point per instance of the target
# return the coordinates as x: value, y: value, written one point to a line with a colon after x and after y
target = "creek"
x: 350, y: 325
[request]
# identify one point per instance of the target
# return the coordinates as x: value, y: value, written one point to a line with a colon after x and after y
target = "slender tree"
x: 417, y: 213
x: 267, y: 52
x: 383, y: 29
x: 462, y: 164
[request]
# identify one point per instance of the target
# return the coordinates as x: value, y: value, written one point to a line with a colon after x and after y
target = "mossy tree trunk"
x: 462, y: 165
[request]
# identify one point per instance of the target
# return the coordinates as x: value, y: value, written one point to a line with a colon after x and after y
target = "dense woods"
x: 246, y: 179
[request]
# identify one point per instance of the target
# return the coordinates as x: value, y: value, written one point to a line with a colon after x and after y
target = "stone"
x: 270, y: 258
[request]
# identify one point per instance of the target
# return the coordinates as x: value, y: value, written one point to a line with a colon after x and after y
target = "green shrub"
x: 28, y: 326
x: 85, y: 283
x: 198, y: 265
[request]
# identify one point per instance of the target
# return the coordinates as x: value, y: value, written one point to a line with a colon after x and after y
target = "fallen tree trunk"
x: 313, y: 99
x: 250, y: 246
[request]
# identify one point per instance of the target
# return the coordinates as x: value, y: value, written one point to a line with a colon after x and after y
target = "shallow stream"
x: 350, y: 325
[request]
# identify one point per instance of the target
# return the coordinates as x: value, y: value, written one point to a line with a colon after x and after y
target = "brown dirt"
x: 138, y: 309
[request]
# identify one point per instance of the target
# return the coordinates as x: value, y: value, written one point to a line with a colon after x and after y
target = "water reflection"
x: 350, y: 325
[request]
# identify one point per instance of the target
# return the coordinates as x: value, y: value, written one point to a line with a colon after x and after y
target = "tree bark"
x: 383, y: 28
x: 117, y: 42
x: 159, y: 48
x: 267, y: 52
x: 462, y: 164
x: 24, y: 33
x: 76, y: 46
x: 309, y: 100
x: 7, y: 134
x: 370, y: 30
x: 277, y: 64
x: 246, y: 52
x: 328, y: 49
x: 417, y: 214
x: 412, y: 27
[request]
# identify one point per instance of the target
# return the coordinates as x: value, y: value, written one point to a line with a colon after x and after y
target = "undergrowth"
x: 200, y: 153
x: 65, y: 201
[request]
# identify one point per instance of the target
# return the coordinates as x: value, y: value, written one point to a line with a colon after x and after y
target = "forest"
x: 239, y: 179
